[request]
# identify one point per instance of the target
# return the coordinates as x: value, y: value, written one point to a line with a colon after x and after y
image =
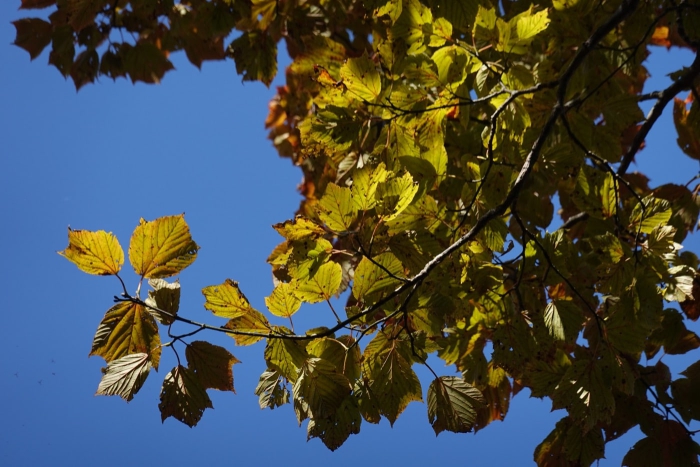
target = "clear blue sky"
x: 114, y: 152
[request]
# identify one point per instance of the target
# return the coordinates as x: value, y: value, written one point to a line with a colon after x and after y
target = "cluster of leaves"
x: 435, y: 138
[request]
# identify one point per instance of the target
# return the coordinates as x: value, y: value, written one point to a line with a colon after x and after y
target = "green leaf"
x: 377, y: 274
x: 364, y: 186
x: 124, y: 376
x: 336, y: 208
x: 451, y: 63
x: 656, y: 212
x: 344, y: 355
x: 452, y: 404
x: 213, y: 365
x: 394, y: 196
x: 183, y: 397
x: 321, y: 387
x: 162, y: 248
x: 410, y: 26
x: 321, y: 286
x: 255, y: 53
x: 299, y: 229
x: 283, y: 302
x: 286, y: 356
x: 554, y: 322
x: 226, y: 300
x: 361, y: 78
x: 335, y: 429
x: 392, y: 382
x: 164, y: 296
x: 127, y: 328
x: 94, y: 252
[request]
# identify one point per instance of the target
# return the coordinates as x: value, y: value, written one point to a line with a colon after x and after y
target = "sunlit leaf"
x: 361, y: 78
x: 124, y: 376
x: 127, y: 328
x: 336, y: 208
x: 321, y: 286
x: 321, y: 387
x: 162, y: 248
x: 271, y: 390
x: 226, y: 300
x: 283, y: 302
x: 249, y: 327
x: 382, y: 272
x: 94, y: 252
x: 285, y: 356
x: 165, y: 297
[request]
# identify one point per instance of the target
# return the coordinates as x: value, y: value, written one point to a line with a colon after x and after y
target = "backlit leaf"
x: 283, y: 302
x: 336, y: 208
x: 364, y: 186
x: 183, y: 397
x: 162, y: 248
x: 285, y: 356
x: 226, y: 300
x: 335, y: 429
x: 255, y: 54
x: 553, y: 321
x: 271, y: 390
x: 94, y: 252
x: 124, y: 376
x: 452, y: 404
x: 321, y: 387
x: 361, y: 78
x: 393, y: 196
x: 213, y: 365
x: 376, y: 275
x: 321, y: 286
x: 127, y: 328
x: 251, y: 323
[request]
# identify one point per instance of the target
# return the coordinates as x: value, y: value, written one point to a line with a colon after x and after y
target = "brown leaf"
x: 33, y: 35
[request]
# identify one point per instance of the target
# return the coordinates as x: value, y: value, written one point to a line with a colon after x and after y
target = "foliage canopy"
x: 437, y: 140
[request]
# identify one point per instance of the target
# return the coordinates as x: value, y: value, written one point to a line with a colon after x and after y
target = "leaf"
x: 183, y: 397
x: 299, y: 229
x: 286, y: 356
x: 554, y: 322
x: 335, y: 429
x: 124, y: 376
x: 213, y: 365
x: 394, y: 196
x: 409, y: 26
x: 164, y: 296
x: 94, y: 252
x: 127, y: 328
x: 271, y: 390
x: 82, y: 13
x: 321, y: 286
x: 452, y: 404
x: 336, y: 208
x: 377, y: 274
x: 162, y: 248
x: 144, y: 62
x: 253, y: 322
x: 364, y: 185
x: 321, y: 387
x: 687, y: 123
x: 36, y: 4
x: 361, y: 78
x: 283, y: 302
x: 33, y: 34
x: 656, y: 212
x: 226, y: 300
x: 392, y: 382
x: 255, y: 54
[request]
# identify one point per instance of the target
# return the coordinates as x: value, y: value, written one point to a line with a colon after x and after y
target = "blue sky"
x: 114, y: 152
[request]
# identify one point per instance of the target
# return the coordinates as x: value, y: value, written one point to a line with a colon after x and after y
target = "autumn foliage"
x: 467, y: 189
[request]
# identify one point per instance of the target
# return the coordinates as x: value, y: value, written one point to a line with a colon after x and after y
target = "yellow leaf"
x: 361, y: 78
x: 94, y: 252
x: 395, y: 195
x: 282, y: 302
x: 127, y: 328
x: 364, y: 185
x: 321, y: 286
x: 336, y: 208
x: 162, y: 248
x: 252, y: 322
x: 226, y: 300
